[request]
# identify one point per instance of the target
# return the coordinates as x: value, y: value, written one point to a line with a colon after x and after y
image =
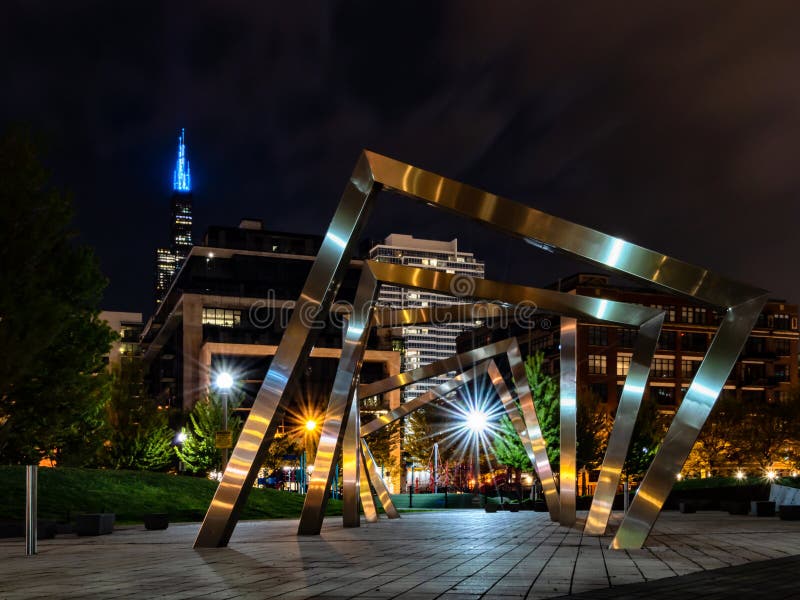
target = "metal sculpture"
x: 741, y: 305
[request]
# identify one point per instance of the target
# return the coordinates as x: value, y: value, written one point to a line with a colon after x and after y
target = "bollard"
x: 625, y: 496
x: 30, y: 509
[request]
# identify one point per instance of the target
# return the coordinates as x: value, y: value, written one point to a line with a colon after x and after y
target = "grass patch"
x: 65, y: 492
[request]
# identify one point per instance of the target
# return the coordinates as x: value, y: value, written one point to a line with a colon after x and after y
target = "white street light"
x: 476, y: 421
x: 224, y: 381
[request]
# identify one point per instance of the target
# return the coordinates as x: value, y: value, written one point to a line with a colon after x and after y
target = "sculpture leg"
x: 375, y: 477
x: 367, y: 501
x: 323, y: 281
x: 568, y: 415
x: 344, y: 385
x: 351, y: 463
x: 622, y: 429
x: 543, y: 469
x: 685, y: 427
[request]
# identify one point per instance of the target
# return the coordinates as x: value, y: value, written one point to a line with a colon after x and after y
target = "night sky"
x: 676, y: 127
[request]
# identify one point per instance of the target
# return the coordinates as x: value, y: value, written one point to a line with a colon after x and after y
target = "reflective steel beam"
x: 624, y: 421
x: 339, y: 404
x: 687, y: 423
x: 367, y: 502
x: 568, y: 410
x: 323, y: 281
x: 377, y: 482
x: 535, y: 435
x: 351, y: 463
x: 453, y: 313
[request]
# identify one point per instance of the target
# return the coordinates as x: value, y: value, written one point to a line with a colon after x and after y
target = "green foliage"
x: 508, y: 447
x: 593, y: 424
x: 544, y: 390
x: 419, y: 439
x: 645, y: 440
x: 65, y: 492
x: 282, y: 445
x: 766, y: 430
x: 139, y: 436
x: 382, y: 444
x: 198, y: 451
x: 52, y: 388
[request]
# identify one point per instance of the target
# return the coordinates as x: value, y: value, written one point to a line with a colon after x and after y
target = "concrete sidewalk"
x: 448, y: 554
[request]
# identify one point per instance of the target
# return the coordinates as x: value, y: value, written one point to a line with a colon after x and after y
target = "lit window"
x: 597, y: 364
x: 623, y: 365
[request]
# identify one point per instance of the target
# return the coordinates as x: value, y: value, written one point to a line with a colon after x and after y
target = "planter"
x: 156, y: 521
x: 540, y: 506
x: 513, y: 507
x: 789, y: 512
x: 94, y: 524
x: 764, y: 508
x: 491, y: 508
x: 736, y: 508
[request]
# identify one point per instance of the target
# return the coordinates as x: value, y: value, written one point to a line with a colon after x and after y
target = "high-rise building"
x: 169, y: 260
x: 424, y: 344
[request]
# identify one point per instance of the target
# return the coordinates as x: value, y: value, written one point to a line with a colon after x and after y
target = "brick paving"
x: 448, y: 555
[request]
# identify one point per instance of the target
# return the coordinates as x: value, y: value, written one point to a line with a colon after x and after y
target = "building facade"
x: 227, y: 309
x: 128, y: 325
x: 424, y: 344
x: 169, y: 259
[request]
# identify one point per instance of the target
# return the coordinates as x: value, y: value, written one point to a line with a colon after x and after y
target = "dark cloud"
x: 675, y: 126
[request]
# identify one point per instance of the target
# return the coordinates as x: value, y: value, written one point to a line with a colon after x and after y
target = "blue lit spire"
x: 182, y: 176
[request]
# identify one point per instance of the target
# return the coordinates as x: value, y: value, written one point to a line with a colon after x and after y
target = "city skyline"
x: 578, y: 113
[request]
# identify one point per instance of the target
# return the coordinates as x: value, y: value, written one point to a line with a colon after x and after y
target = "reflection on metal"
x: 351, y: 459
x: 377, y: 482
x: 367, y: 502
x: 567, y: 416
x: 339, y: 404
x: 323, y: 281
x: 374, y: 172
x: 620, y: 437
x: 700, y: 398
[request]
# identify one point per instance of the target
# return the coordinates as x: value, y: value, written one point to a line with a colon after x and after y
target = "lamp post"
x: 476, y: 422
x: 224, y: 384
x: 311, y: 427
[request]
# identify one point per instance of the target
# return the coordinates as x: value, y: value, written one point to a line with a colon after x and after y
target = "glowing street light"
x: 476, y: 421
x: 311, y: 425
x: 771, y: 475
x: 740, y: 475
x: 224, y: 381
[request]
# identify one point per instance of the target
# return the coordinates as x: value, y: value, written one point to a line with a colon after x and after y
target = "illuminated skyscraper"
x: 168, y: 260
x: 423, y: 344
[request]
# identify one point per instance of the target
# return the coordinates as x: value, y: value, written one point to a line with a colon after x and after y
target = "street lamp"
x: 311, y: 427
x: 224, y: 384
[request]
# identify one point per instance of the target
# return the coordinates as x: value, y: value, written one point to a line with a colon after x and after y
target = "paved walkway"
x: 448, y: 555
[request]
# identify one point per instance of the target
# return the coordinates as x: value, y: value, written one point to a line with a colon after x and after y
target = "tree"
x: 282, y: 444
x: 717, y: 442
x: 198, y: 451
x: 544, y: 389
x: 645, y: 440
x: 418, y: 441
x: 592, y: 426
x: 382, y: 444
x: 767, y: 429
x: 510, y: 452
x: 139, y: 435
x: 52, y: 343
